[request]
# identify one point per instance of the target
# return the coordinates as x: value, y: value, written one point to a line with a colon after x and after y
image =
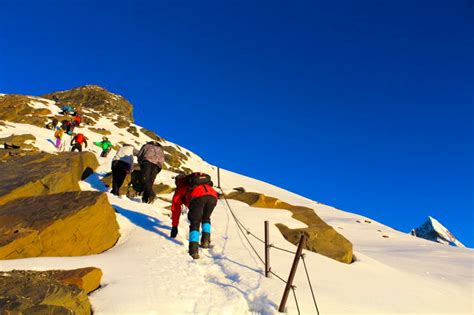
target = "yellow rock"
x: 35, y: 292
x: 87, y: 279
x: 43, y: 173
x: 320, y: 237
x: 65, y: 224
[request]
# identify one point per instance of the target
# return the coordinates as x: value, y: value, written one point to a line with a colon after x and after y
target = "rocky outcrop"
x: 320, y: 237
x: 98, y: 100
x: 42, y: 173
x: 37, y: 292
x: 65, y: 224
x: 151, y: 134
x: 18, y: 109
x: 87, y: 279
x: 20, y: 141
x: 433, y: 230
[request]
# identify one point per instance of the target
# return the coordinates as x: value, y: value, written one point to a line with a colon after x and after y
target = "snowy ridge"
x: 434, y: 231
x: 149, y: 273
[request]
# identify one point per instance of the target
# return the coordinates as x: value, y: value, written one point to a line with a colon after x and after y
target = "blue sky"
x: 363, y: 105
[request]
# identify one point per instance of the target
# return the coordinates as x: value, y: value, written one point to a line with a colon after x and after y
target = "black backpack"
x: 196, y: 179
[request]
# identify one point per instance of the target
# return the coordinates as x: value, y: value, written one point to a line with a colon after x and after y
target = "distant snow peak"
x: 434, y: 231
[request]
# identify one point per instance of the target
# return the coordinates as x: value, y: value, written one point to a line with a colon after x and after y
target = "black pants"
x: 200, y: 210
x: 119, y: 172
x: 105, y: 152
x: 149, y: 172
x: 76, y: 146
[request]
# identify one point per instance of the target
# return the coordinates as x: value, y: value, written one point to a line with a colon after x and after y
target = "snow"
x: 149, y: 273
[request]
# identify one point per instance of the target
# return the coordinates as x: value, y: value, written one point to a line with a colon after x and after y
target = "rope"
x: 310, y: 285
x: 296, y: 300
x: 278, y: 277
x: 241, y: 228
x: 282, y: 249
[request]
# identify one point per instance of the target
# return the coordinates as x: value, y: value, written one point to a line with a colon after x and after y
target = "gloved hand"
x: 174, y: 231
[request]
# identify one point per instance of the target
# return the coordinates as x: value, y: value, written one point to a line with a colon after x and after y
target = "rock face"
x: 434, y: 231
x: 320, y: 237
x: 87, y: 279
x: 36, y: 292
x: 65, y: 224
x: 42, y: 173
x: 97, y: 99
x: 19, y: 140
x: 18, y: 109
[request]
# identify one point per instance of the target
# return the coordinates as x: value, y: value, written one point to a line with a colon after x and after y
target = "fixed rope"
x: 310, y: 285
x: 245, y: 231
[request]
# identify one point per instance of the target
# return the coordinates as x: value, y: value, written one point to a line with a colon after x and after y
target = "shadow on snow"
x: 147, y: 222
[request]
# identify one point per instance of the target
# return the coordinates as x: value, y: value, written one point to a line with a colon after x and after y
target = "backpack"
x: 80, y: 138
x: 196, y: 179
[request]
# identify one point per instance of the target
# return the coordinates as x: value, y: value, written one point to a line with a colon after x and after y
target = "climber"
x: 67, y: 126
x: 58, y: 135
x: 106, y: 146
x: 122, y: 164
x: 77, y: 141
x: 195, y: 192
x: 151, y: 158
x: 52, y: 125
x: 76, y: 120
x: 67, y: 109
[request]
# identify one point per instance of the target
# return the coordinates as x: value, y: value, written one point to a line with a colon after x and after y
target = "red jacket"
x: 183, y: 196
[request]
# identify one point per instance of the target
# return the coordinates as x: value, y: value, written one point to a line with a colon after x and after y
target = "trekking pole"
x: 289, y: 284
x: 219, y: 177
x: 267, y: 250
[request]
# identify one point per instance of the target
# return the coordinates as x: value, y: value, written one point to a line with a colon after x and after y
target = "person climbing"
x: 106, y: 146
x: 122, y: 164
x: 76, y: 120
x: 58, y: 135
x: 195, y: 192
x: 150, y: 158
x: 67, y: 109
x: 52, y: 124
x: 67, y: 126
x: 77, y: 141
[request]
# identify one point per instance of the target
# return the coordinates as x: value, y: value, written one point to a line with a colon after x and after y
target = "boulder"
x: 87, y: 279
x: 320, y: 237
x: 64, y: 224
x: 34, y: 292
x: 43, y: 173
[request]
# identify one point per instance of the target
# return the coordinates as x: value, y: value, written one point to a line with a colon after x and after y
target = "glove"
x: 174, y: 231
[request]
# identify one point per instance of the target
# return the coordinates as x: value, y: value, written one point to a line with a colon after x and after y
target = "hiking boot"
x: 194, y: 250
x: 205, y: 240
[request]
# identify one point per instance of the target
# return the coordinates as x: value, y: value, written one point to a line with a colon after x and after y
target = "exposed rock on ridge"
x: 320, y: 237
x: 66, y: 224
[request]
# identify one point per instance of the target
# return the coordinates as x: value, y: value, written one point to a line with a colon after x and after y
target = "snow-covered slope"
x: 434, y: 231
x: 149, y: 273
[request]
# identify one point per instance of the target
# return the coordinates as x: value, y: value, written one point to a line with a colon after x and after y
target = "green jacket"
x: 105, y: 145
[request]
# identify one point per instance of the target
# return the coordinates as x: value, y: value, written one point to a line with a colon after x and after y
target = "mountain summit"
x: 434, y: 231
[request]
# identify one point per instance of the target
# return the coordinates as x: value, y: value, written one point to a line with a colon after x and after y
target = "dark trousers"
x: 149, y: 172
x: 76, y: 146
x: 119, y: 172
x: 200, y: 210
x: 105, y: 152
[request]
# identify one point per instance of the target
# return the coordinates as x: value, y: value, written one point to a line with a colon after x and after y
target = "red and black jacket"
x: 183, y: 196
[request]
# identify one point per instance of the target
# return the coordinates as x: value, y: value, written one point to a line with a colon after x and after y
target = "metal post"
x: 267, y: 250
x: 289, y: 284
x: 218, y: 177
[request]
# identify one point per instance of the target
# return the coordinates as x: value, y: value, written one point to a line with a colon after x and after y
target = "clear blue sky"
x: 363, y: 105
